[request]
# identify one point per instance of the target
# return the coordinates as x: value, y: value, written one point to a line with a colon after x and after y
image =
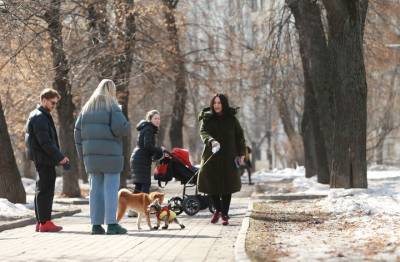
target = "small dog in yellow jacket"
x: 164, y: 214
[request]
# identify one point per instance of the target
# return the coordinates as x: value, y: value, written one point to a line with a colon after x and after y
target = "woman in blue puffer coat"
x: 98, y: 138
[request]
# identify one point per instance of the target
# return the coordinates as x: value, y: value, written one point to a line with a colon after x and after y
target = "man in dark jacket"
x: 44, y: 150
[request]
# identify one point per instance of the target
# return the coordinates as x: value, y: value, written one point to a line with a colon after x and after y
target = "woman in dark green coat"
x: 223, y: 135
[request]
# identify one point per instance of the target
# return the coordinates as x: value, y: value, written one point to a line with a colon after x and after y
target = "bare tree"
x: 339, y: 85
x: 10, y: 183
x: 178, y: 65
x: 295, y: 138
x: 123, y: 68
x: 65, y: 109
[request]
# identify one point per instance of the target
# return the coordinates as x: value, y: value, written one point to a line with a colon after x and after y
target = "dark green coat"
x: 220, y: 175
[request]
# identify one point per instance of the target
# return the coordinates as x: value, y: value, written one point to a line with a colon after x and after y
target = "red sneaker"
x: 225, y: 219
x: 37, y: 226
x: 49, y: 227
x: 215, y: 217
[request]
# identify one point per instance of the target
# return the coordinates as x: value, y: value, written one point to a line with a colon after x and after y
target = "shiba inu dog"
x: 138, y: 202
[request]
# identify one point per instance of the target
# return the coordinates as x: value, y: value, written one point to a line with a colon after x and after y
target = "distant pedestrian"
x: 98, y: 137
x: 44, y: 150
x: 247, y: 165
x: 223, y: 135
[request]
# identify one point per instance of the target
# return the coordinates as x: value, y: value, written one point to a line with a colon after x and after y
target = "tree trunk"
x: 294, y: 137
x: 100, y: 48
x: 315, y: 152
x: 193, y: 132
x: 123, y: 68
x: 386, y: 125
x: 27, y: 167
x: 165, y: 118
x: 254, y: 149
x: 269, y: 151
x: 316, y: 162
x: 65, y: 109
x: 318, y: 117
x: 178, y: 66
x: 99, y: 40
x: 82, y: 171
x: 379, y: 154
x: 310, y: 156
x: 346, y: 29
x: 337, y: 74
x: 11, y: 186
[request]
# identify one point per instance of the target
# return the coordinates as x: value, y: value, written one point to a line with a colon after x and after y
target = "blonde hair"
x: 150, y: 114
x: 102, y: 98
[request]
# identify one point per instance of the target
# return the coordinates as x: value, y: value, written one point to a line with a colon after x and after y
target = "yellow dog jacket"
x: 165, y: 212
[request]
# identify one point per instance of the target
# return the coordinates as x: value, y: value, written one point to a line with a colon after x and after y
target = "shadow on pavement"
x: 169, y: 235
x: 202, y: 216
x: 9, y: 238
x: 140, y: 234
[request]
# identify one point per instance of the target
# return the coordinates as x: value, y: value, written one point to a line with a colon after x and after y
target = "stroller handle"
x: 167, y: 153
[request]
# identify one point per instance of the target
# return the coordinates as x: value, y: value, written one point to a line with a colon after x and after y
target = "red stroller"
x: 176, y: 164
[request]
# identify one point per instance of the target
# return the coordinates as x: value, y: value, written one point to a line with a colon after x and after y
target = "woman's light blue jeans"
x: 103, y: 198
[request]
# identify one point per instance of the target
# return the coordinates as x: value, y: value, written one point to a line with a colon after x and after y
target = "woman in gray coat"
x: 98, y: 138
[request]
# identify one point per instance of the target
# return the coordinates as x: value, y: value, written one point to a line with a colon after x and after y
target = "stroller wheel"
x: 176, y: 205
x: 191, y: 205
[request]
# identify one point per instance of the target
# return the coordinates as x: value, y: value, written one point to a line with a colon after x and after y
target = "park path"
x: 199, y: 241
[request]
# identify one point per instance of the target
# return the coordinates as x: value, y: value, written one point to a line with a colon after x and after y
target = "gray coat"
x: 98, y: 139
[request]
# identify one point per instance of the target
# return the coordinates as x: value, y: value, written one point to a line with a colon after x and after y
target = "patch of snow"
x: 370, y: 201
x: 383, y: 174
x: 309, y: 186
x: 381, y: 197
x: 59, y: 186
x: 376, y: 167
x: 10, y: 210
x: 277, y: 175
x: 29, y: 185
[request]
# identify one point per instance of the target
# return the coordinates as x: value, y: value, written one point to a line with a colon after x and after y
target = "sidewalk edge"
x: 240, y: 244
x: 31, y: 221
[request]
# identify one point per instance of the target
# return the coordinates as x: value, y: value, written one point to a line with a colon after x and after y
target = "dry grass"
x: 270, y: 218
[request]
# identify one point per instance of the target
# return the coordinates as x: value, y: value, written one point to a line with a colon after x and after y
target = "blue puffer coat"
x: 98, y: 139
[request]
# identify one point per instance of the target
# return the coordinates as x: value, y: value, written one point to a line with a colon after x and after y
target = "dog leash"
x: 197, y: 172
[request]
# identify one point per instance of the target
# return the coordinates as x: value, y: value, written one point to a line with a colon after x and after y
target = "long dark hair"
x: 224, y: 103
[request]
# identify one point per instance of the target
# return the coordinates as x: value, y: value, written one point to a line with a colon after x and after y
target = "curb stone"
x: 288, y: 197
x: 31, y: 221
x: 72, y: 201
x: 240, y: 244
